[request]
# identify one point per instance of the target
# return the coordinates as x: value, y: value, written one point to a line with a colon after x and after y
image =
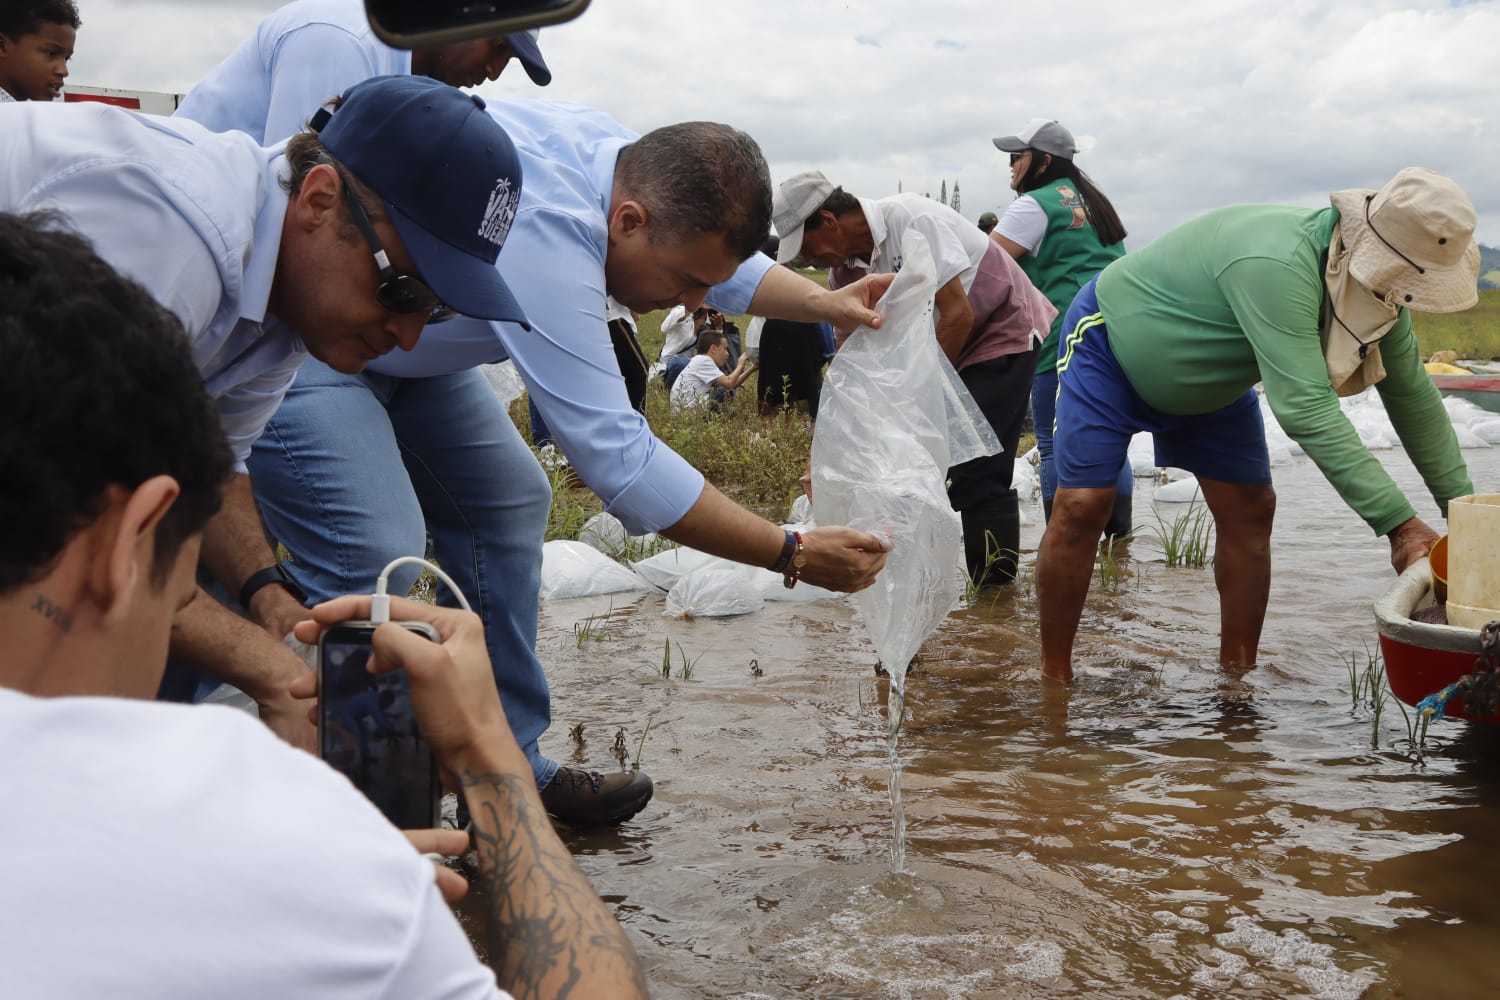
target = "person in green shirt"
x: 1313, y: 304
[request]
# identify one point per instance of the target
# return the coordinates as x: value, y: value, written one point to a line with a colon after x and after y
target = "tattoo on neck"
x: 54, y: 614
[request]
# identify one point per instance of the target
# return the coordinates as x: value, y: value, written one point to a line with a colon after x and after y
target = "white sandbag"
x: 802, y: 510
x: 715, y: 591
x: 1178, y: 491
x: 893, y: 418
x: 773, y: 588
x: 1488, y: 430
x: 504, y: 381
x: 573, y: 569
x: 1142, y: 455
x: 1467, y: 438
x: 664, y: 569
x: 604, y: 532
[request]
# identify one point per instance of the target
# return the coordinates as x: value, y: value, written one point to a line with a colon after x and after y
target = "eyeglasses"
x: 1016, y: 157
x: 403, y: 294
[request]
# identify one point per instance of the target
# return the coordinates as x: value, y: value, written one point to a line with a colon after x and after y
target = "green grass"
x: 1474, y: 333
x: 1188, y: 540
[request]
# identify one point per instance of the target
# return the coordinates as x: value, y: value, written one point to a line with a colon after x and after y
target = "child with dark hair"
x: 36, y: 42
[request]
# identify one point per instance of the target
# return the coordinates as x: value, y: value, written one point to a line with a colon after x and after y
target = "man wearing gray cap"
x: 990, y: 319
x: 1172, y: 339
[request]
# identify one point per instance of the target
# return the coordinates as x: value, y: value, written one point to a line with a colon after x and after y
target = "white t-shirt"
x: 1024, y: 222
x: 679, y: 332
x: 693, y: 382
x: 957, y: 244
x: 176, y: 852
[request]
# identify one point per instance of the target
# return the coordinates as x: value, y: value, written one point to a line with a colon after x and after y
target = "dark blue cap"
x: 524, y: 45
x: 448, y: 175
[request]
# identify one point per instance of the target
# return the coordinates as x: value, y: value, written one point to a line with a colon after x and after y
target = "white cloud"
x: 1183, y: 106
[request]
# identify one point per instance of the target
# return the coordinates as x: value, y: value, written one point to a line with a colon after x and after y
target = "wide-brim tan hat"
x: 1413, y: 241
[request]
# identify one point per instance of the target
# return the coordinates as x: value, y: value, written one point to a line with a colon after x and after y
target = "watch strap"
x: 275, y: 573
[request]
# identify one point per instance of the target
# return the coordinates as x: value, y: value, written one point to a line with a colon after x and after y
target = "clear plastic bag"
x: 893, y: 418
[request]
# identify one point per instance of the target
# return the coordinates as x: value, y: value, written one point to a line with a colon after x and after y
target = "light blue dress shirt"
x: 192, y: 216
x: 300, y: 56
x: 554, y: 261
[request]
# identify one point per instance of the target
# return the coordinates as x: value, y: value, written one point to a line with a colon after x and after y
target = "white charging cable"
x: 380, y: 601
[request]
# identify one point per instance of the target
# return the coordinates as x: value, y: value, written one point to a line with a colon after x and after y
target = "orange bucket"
x: 1438, y: 560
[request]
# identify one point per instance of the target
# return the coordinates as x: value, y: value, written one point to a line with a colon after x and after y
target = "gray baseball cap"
x: 792, y: 204
x: 1041, y: 134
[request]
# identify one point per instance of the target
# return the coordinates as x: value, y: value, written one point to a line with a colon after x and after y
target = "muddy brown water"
x: 1161, y: 830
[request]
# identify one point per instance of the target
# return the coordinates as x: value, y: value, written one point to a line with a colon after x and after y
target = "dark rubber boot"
x: 988, y: 530
x: 1120, y: 523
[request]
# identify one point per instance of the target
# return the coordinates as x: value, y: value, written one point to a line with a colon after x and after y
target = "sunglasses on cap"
x: 403, y: 294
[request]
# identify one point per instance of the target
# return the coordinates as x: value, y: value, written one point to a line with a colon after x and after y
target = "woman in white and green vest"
x: 1062, y: 231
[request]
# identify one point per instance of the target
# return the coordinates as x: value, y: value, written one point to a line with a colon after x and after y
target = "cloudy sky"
x: 1179, y: 106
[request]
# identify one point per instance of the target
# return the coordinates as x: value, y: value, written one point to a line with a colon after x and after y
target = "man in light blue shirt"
x: 331, y: 247
x: 309, y: 51
x: 675, y: 216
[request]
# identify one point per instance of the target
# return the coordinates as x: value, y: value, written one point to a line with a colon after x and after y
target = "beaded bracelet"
x: 799, y: 560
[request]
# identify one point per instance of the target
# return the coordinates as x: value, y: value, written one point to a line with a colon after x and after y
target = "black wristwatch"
x: 269, y: 575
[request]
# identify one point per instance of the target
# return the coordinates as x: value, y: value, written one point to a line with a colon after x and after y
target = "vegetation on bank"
x: 1474, y: 334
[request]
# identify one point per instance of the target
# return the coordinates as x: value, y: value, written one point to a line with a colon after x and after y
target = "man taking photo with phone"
x: 332, y: 247
x: 192, y: 825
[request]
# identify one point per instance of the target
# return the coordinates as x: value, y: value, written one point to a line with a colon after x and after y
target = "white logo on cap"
x: 500, y: 212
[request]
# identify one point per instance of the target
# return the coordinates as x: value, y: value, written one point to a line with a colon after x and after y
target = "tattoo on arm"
x: 547, y: 928
x: 58, y: 616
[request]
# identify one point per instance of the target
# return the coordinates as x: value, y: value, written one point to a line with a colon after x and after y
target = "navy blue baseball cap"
x: 448, y: 175
x: 524, y: 45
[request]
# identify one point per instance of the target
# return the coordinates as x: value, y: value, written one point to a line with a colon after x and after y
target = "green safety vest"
x: 1071, y: 254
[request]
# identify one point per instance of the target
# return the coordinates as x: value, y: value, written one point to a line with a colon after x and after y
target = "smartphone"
x: 409, y: 24
x: 367, y: 729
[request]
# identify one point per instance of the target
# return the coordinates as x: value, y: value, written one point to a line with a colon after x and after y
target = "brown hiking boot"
x: 588, y: 798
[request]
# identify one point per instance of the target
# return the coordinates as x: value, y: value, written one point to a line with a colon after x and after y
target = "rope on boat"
x: 1434, y: 704
x: 1480, y: 686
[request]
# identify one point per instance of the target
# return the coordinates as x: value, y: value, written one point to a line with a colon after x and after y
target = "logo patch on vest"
x: 500, y: 212
x: 1072, y: 199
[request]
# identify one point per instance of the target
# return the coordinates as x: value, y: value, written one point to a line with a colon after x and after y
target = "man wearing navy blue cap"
x: 329, y: 247
x: 308, y: 51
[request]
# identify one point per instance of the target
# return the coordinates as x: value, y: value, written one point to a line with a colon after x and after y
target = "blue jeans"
x: 356, y: 470
x: 1043, y: 417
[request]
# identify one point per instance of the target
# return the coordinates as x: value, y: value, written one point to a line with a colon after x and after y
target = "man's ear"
x: 317, y: 201
x: 130, y: 555
x: 628, y: 218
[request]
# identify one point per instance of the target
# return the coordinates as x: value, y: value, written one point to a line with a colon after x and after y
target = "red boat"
x: 1421, y: 658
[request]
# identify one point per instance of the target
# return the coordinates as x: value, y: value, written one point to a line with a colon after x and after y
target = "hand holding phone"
x: 367, y: 725
x: 452, y: 684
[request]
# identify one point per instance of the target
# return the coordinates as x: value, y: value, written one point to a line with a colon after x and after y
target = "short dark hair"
x: 97, y: 389
x: 26, y: 17
x: 305, y: 151
x: 708, y: 338
x: 700, y: 178
x: 839, y: 202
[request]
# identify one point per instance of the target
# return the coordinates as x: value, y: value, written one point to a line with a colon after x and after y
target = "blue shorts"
x: 1098, y: 411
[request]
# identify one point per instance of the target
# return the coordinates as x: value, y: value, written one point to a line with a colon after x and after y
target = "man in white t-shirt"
x: 990, y: 319
x: 217, y: 860
x: 703, y: 382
